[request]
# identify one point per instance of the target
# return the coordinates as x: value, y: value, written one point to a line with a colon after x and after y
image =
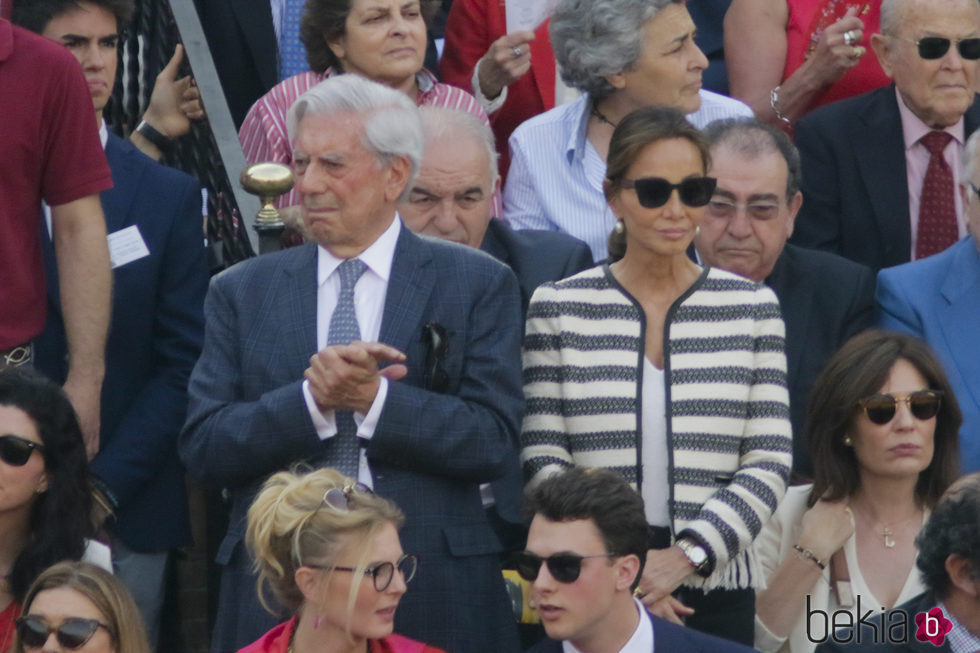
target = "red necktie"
x: 937, y: 209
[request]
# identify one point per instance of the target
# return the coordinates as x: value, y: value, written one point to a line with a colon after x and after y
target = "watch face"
x: 697, y: 555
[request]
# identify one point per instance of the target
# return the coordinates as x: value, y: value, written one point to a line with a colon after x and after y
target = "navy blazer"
x: 855, y: 188
x: 430, y: 451
x: 242, y: 42
x: 937, y: 300
x: 667, y: 638
x: 154, y: 339
x: 825, y: 299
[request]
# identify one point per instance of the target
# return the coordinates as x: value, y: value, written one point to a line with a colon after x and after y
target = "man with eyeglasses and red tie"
x: 825, y: 299
x: 880, y: 169
x: 585, y: 550
x: 938, y: 300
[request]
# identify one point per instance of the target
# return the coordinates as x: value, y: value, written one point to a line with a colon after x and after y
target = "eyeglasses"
x: 975, y: 190
x: 923, y: 404
x: 653, y: 192
x: 563, y: 567
x: 383, y: 572
x: 936, y: 47
x: 338, y: 499
x: 762, y: 211
x: 73, y: 632
x: 16, y: 451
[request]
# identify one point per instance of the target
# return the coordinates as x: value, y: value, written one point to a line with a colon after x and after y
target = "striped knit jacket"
x: 728, y: 429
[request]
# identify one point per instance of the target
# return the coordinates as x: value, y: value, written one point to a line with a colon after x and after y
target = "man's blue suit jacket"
x: 937, y: 300
x: 855, y: 188
x: 154, y: 339
x: 667, y: 638
x: 430, y: 451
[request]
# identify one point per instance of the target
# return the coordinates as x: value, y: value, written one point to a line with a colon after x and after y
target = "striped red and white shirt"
x: 263, y: 133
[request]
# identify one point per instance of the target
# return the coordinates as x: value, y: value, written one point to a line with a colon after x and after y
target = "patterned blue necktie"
x: 343, y: 450
x: 292, y: 54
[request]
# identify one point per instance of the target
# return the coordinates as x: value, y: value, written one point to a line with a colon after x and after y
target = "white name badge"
x: 126, y: 246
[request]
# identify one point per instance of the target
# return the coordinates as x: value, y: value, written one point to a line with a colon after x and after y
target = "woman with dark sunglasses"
x: 77, y: 606
x: 327, y: 547
x: 45, y: 493
x: 882, y: 426
x: 669, y: 373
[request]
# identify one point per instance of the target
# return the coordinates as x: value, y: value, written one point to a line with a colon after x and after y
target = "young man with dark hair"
x: 585, y: 550
x: 153, y: 218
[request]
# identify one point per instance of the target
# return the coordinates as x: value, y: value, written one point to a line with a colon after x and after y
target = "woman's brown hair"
x: 859, y: 369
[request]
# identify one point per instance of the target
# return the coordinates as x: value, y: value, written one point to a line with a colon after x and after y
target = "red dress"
x: 277, y: 641
x: 809, y: 17
x: 7, y: 626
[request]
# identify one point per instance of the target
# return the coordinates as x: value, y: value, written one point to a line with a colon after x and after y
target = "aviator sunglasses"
x: 923, y: 404
x: 16, y: 451
x: 653, y: 192
x: 936, y: 47
x: 563, y: 567
x: 73, y: 632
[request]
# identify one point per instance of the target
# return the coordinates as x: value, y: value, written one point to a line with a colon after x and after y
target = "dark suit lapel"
x: 127, y: 169
x: 411, y: 283
x: 786, y: 284
x: 493, y: 245
x: 960, y: 314
x: 298, y: 302
x: 255, y: 21
x: 880, y: 151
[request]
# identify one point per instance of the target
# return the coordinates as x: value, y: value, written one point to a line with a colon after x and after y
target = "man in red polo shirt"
x: 50, y: 150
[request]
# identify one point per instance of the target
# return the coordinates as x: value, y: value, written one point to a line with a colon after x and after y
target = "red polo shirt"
x: 50, y: 149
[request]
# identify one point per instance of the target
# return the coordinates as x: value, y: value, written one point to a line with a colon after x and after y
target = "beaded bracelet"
x: 807, y: 554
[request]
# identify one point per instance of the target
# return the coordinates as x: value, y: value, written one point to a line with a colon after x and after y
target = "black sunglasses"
x: 936, y: 47
x: 383, y: 572
x: 923, y: 404
x: 16, y: 451
x: 73, y: 632
x: 339, y: 498
x: 563, y: 567
x: 653, y: 192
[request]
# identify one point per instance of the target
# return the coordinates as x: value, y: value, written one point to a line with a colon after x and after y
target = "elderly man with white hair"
x: 880, y: 169
x: 393, y: 358
x: 938, y: 300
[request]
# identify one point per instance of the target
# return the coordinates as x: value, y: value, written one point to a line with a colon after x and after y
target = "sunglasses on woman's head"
x: 881, y: 408
x: 563, y: 567
x: 654, y: 192
x: 936, y: 47
x: 338, y: 499
x: 15, y: 450
x: 72, y: 633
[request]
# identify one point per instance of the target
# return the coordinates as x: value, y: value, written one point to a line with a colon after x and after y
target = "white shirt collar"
x: 103, y: 133
x: 640, y: 642
x: 377, y: 256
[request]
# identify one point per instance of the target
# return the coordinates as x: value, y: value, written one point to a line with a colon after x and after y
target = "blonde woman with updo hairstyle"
x: 78, y: 606
x: 328, y: 550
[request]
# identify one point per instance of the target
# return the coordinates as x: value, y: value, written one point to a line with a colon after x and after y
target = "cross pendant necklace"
x: 887, y: 534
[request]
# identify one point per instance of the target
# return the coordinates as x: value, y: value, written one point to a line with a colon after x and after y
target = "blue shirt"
x: 555, y: 177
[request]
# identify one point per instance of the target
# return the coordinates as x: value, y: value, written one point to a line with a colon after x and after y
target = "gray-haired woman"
x: 623, y: 55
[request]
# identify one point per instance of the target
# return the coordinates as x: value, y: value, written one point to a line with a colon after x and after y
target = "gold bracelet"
x: 774, y: 102
x: 807, y: 554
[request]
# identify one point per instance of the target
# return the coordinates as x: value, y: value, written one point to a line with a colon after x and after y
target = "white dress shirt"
x: 369, y: 301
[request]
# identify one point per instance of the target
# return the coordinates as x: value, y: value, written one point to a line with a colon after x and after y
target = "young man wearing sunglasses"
x: 880, y: 170
x: 585, y: 550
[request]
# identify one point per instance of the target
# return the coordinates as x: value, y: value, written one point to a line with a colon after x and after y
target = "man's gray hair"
x: 595, y: 38
x: 392, y: 127
x: 892, y: 11
x: 440, y: 125
x: 751, y: 138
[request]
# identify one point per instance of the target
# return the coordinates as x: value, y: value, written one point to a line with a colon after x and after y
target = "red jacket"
x: 472, y: 27
x: 277, y: 641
